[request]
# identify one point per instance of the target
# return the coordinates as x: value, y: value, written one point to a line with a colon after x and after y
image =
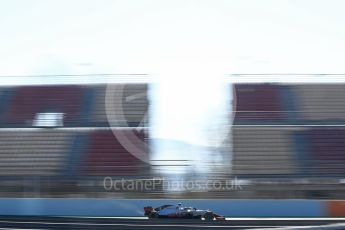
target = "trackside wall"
x: 134, y: 207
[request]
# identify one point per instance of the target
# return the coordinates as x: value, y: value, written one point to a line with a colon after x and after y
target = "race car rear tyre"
x: 208, y: 216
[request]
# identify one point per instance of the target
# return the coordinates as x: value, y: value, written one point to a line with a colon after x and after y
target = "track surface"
x: 163, y: 224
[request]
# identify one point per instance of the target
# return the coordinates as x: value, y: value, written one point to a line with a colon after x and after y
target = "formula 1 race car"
x: 178, y: 211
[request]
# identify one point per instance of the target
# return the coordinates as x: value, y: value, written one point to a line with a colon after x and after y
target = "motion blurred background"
x: 244, y: 91
x: 284, y: 141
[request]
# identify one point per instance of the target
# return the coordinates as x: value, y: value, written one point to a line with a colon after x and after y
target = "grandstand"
x: 84, y: 146
x: 106, y: 156
x: 289, y: 137
x: 279, y: 137
x: 321, y: 103
x: 33, y: 152
x: 263, y: 151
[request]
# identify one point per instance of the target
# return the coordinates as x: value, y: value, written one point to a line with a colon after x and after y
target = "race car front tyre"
x: 209, y: 216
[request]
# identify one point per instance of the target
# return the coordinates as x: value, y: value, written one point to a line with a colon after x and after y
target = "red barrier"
x: 336, y: 208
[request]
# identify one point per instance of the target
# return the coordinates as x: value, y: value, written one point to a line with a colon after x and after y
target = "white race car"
x: 178, y: 211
